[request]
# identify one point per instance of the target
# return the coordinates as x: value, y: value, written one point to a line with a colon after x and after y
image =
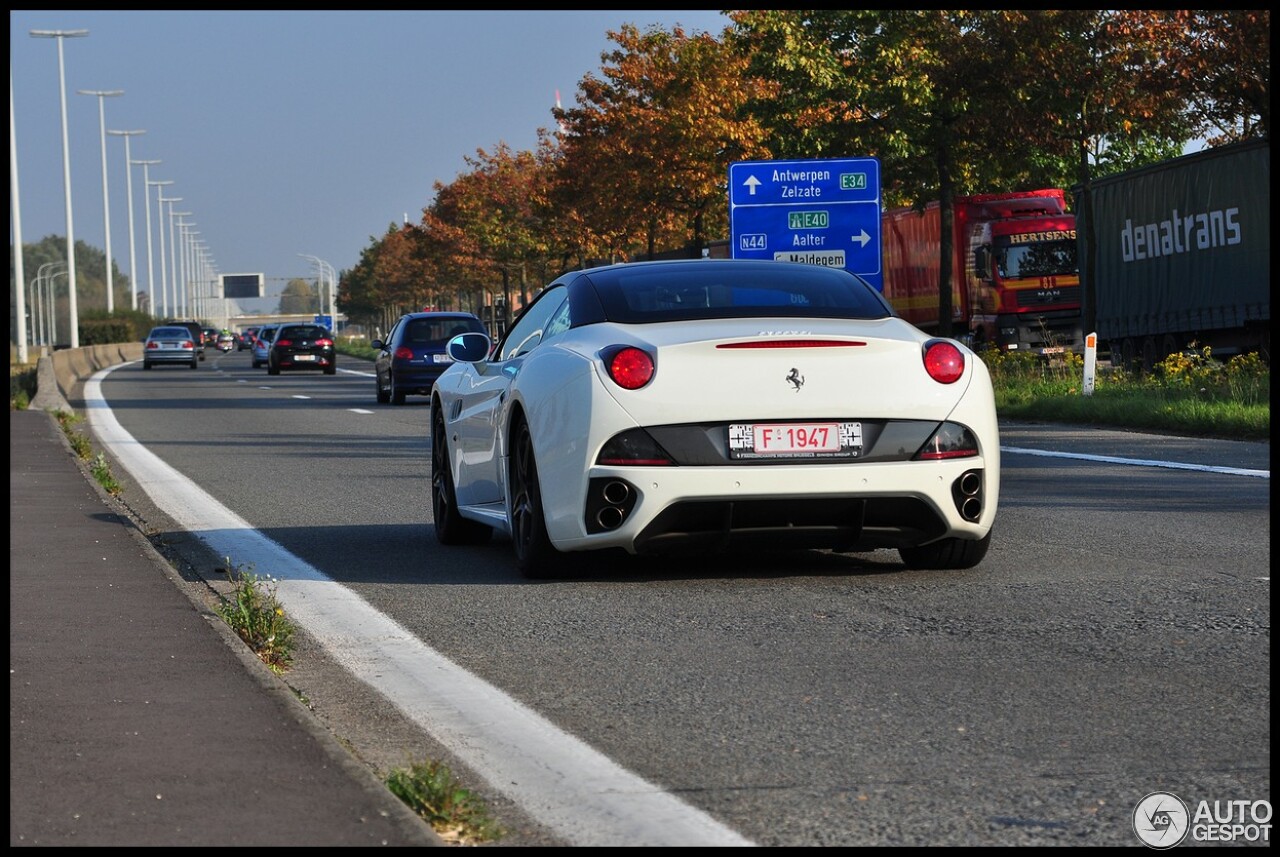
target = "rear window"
x: 424, y: 332
x: 170, y: 333
x: 706, y: 289
x: 304, y: 332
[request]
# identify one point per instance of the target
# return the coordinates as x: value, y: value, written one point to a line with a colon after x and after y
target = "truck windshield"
x: 1047, y: 259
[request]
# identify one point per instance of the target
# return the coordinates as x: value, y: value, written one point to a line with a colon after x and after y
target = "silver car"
x: 170, y: 344
x: 262, y: 344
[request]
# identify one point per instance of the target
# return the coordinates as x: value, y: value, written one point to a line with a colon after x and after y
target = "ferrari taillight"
x: 943, y: 361
x: 629, y: 367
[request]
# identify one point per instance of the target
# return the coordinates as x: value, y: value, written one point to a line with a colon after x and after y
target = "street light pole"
x: 133, y: 258
x: 103, y: 94
x: 326, y: 272
x: 48, y: 331
x: 146, y: 198
x: 61, y: 36
x: 164, y: 280
x: 19, y: 272
x: 188, y: 298
x: 173, y: 263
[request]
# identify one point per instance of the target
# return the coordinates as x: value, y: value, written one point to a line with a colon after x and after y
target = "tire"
x: 273, y: 370
x: 384, y: 396
x: 947, y: 553
x: 1149, y: 356
x: 397, y: 395
x: 195, y: 364
x: 146, y: 365
x: 1127, y: 358
x: 535, y: 555
x: 257, y: 364
x: 451, y: 527
x: 331, y: 370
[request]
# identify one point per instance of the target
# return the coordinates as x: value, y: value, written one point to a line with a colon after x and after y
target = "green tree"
x: 299, y: 297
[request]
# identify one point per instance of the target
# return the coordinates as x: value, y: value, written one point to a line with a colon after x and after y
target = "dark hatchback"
x: 413, y: 355
x: 301, y: 346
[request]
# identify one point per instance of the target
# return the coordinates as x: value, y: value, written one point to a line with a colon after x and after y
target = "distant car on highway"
x: 170, y: 345
x: 196, y: 330
x: 710, y: 405
x: 301, y: 346
x: 413, y: 355
x: 262, y: 345
x: 244, y: 341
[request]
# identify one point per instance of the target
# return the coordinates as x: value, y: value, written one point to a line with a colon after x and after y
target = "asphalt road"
x: 1115, y: 642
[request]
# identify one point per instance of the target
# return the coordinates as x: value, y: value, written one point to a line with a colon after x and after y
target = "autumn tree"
x: 646, y: 158
x: 1220, y: 64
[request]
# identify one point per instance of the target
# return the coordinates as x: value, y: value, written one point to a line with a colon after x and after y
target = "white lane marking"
x: 299, y: 396
x: 1141, y: 462
x: 561, y: 781
x: 359, y: 411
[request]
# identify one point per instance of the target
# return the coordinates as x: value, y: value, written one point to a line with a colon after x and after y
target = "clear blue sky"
x: 287, y: 132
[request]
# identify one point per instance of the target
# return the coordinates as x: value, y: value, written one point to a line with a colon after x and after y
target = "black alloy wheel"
x: 535, y: 554
x: 451, y: 527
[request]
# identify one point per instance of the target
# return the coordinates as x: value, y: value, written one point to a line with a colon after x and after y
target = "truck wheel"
x: 1121, y: 354
x: 1149, y: 357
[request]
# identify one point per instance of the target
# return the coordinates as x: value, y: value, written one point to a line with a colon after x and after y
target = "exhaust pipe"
x: 609, y: 518
x: 616, y: 492
x: 967, y: 493
x: 609, y: 502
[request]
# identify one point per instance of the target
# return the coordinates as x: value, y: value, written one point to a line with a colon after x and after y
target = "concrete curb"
x: 59, y: 373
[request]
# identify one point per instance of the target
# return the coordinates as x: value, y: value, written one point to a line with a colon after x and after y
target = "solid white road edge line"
x: 576, y: 791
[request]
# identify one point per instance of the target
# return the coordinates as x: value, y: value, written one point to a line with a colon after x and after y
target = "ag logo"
x: 1161, y: 820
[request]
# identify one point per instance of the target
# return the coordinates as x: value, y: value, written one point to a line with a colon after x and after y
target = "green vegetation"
x: 80, y: 443
x: 254, y: 612
x: 1188, y: 393
x: 355, y: 347
x: 101, y: 470
x: 430, y: 790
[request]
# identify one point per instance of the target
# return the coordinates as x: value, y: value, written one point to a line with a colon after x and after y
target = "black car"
x: 301, y: 346
x: 413, y: 355
x: 197, y: 333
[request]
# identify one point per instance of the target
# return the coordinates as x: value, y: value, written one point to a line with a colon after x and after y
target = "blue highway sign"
x: 821, y: 212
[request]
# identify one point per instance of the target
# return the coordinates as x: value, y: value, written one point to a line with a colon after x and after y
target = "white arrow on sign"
x: 861, y: 239
x: 752, y: 182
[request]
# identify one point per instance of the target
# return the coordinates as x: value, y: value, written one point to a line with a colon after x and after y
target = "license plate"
x: 795, y: 440
x: 304, y: 358
x: 441, y: 358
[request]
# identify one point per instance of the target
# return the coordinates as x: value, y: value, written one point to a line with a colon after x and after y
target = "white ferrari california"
x: 709, y: 405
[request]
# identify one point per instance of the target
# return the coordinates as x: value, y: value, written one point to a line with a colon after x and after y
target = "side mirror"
x: 982, y: 262
x: 376, y: 345
x: 469, y: 347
